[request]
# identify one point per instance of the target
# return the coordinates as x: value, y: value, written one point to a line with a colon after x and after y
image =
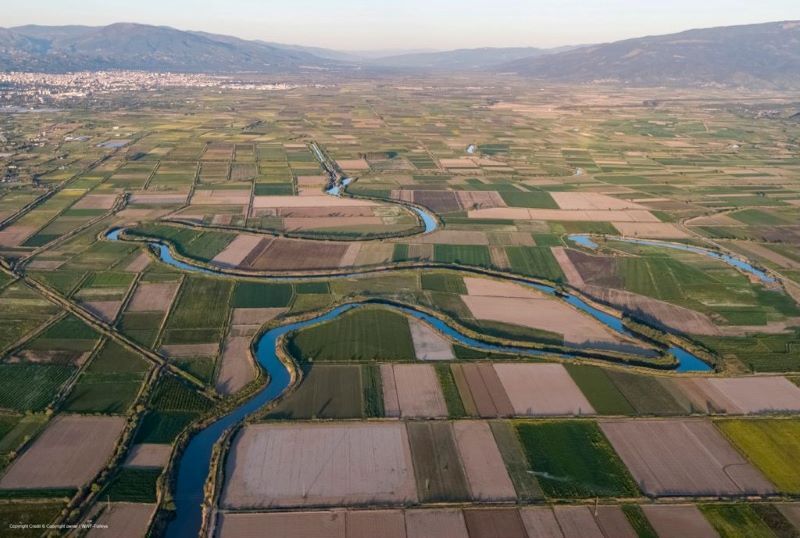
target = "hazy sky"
x: 411, y: 24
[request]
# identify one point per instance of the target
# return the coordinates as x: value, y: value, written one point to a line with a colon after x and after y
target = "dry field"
x: 148, y: 455
x: 542, y: 389
x: 591, y: 201
x: 578, y: 521
x: 123, y: 520
x: 675, y: 317
x: 454, y: 237
x: 438, y: 523
x: 683, y: 457
x: 495, y: 523
x: 570, y: 271
x: 485, y: 470
x: 521, y: 213
x: 247, y: 321
x: 139, y: 264
x: 481, y: 389
x: 106, y: 310
x: 416, y: 389
x: 220, y: 197
x: 96, y: 201
x: 366, y: 523
x: 153, y: 297
x: 613, y: 522
x: 480, y: 199
x: 678, y: 521
x: 188, y: 351
x: 15, y: 235
x: 237, y: 250
x: 320, y: 200
x: 282, y: 525
x: 429, y: 345
x: 651, y: 230
x: 148, y: 198
x: 763, y: 252
x: 288, y: 254
x: 69, y: 453
x: 540, y: 521
x: 742, y: 395
x: 237, y: 368
x: 275, y: 465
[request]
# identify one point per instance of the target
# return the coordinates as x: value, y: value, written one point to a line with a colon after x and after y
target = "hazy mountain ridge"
x: 756, y: 54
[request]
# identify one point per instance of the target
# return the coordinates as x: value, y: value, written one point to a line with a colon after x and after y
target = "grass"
x: 574, y: 460
x: 455, y: 407
x: 132, y: 485
x: 776, y: 521
x: 31, y: 387
x: 598, y: 388
x: 641, y: 525
x: 373, y: 390
x: 163, y: 426
x: 258, y: 295
x: 525, y: 483
x: 326, y: 391
x: 646, y: 394
x: 172, y: 394
x: 772, y: 445
x: 440, y: 477
x: 535, y: 199
x: 443, y: 282
x: 735, y: 521
x: 477, y: 255
x: 534, y: 261
x: 364, y: 334
x: 197, y: 317
x: 200, y: 245
x: 32, y: 514
x: 759, y: 352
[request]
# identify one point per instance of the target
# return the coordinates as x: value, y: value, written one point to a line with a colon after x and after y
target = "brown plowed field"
x: 289, y: 254
x: 494, y: 523
x: 436, y: 523
x: 483, y: 465
x: 540, y: 522
x: 418, y: 391
x: 487, y: 392
x: 123, y: 520
x: 69, y: 453
x: 742, y: 395
x: 282, y: 525
x: 613, y: 522
x: 330, y: 464
x: 148, y: 455
x: 436, y: 462
x: 153, y: 297
x: 237, y: 250
x: 683, y: 457
x: 678, y: 521
x: 237, y: 368
x: 438, y: 201
x: 542, y: 389
x: 577, y: 521
x: 374, y: 523
x: 391, y: 403
x: 480, y: 199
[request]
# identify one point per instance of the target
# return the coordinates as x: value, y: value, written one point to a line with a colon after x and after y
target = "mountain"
x: 143, y: 47
x: 752, y: 55
x: 461, y: 59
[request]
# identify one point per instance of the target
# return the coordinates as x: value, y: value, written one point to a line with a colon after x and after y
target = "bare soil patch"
x: 320, y: 200
x: 495, y: 523
x: 429, y: 345
x: 237, y: 250
x: 15, y: 235
x: 325, y: 524
x: 391, y: 403
x: 237, y: 368
x: 123, y: 520
x: 613, y: 522
x: 148, y: 455
x: 521, y: 213
x: 187, y: 351
x: 153, y: 296
x: 353, y: 164
x: 289, y: 254
x: 678, y: 521
x: 438, y: 201
x: 577, y: 521
x: 486, y: 391
x: 652, y: 230
x: 436, y: 523
x: 69, y: 453
x: 486, y: 472
x: 683, y: 457
x: 455, y: 237
x: 374, y: 254
x: 487, y: 287
x: 96, y: 201
x: 277, y: 465
x: 418, y: 391
x: 747, y: 395
x: 569, y: 269
x: 591, y: 200
x: 221, y: 197
x: 370, y: 523
x: 542, y: 389
x: 105, y: 310
x: 139, y: 263
x: 472, y: 200
x: 540, y: 522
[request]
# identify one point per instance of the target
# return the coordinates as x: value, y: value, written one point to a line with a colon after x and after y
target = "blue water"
x: 740, y: 264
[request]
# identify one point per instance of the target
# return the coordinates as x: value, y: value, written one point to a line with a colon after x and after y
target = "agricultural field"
x: 113, y: 352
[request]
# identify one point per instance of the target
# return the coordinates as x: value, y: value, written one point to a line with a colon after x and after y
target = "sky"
x: 411, y: 24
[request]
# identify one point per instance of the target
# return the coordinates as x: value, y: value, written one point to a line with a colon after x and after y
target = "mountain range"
x: 765, y: 54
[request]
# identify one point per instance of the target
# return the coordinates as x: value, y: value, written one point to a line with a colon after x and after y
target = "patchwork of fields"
x: 109, y: 357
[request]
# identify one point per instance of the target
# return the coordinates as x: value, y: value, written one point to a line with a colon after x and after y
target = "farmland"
x: 388, y: 414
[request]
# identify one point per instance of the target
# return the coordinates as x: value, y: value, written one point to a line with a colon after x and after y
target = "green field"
x: 462, y: 254
x: 132, y: 485
x: 197, y: 317
x: 772, y: 445
x: 436, y: 465
x: 257, y: 295
x: 455, y: 407
x: 736, y: 520
x: 601, y: 392
x: 525, y: 483
x: 534, y: 261
x: 574, y: 460
x: 31, y: 387
x: 364, y: 334
x: 31, y: 513
x: 326, y: 391
x: 646, y: 394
